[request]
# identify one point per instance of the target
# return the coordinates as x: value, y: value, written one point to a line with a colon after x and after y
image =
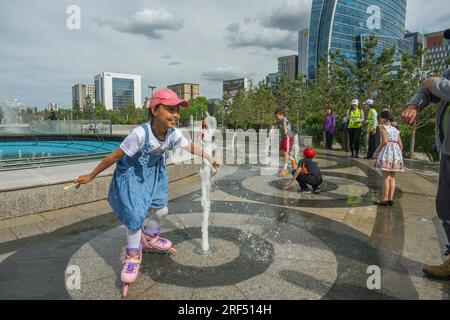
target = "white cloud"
x: 253, y: 35
x: 249, y: 20
x: 220, y: 74
x: 148, y: 22
x: 288, y: 15
x: 276, y: 30
x: 233, y: 27
x: 429, y: 17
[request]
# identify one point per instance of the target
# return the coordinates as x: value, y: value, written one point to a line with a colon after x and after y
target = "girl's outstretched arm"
x: 195, y: 149
x: 107, y: 162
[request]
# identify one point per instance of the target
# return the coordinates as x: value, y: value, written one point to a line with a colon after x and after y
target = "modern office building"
x: 437, y: 51
x: 118, y: 90
x: 344, y: 24
x: 288, y: 65
x: 231, y: 87
x: 271, y: 79
x: 82, y: 95
x: 186, y: 91
x: 303, y: 41
x: 414, y: 41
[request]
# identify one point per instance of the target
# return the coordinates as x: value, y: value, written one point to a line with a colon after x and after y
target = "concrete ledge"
x: 35, y: 198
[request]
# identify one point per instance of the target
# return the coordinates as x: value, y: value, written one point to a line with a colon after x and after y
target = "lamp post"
x: 150, y: 95
x: 151, y: 88
x: 223, y: 115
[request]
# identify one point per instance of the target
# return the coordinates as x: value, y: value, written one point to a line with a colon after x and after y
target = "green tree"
x: 197, y: 109
x: 410, y: 77
x: 263, y: 104
x: 238, y: 107
x: 89, y: 109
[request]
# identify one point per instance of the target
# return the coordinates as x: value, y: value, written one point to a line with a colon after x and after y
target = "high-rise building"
x: 344, y: 24
x: 83, y: 95
x: 303, y: 41
x: 437, y: 52
x: 414, y: 40
x: 271, y: 79
x: 288, y: 65
x: 118, y: 90
x: 186, y: 91
x: 231, y: 87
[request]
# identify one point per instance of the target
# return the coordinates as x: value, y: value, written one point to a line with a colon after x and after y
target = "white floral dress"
x: 390, y: 157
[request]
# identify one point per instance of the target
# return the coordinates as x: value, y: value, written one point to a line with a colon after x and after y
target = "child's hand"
x: 82, y: 180
x: 214, y: 162
x: 287, y: 185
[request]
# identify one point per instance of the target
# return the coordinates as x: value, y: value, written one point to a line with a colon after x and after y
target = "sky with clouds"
x: 165, y: 41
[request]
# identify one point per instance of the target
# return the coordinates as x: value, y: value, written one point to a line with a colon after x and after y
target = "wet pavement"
x: 267, y: 243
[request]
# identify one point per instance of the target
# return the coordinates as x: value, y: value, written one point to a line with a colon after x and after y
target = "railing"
x: 38, y: 162
x: 71, y: 127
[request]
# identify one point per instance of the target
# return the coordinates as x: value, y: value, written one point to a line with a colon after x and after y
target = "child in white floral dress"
x: 388, y: 157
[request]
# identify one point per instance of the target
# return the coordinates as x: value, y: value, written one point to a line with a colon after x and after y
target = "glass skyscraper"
x: 414, y: 41
x: 123, y: 92
x: 343, y: 25
x: 117, y: 90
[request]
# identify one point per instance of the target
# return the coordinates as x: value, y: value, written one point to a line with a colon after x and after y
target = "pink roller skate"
x: 154, y: 243
x: 130, y: 268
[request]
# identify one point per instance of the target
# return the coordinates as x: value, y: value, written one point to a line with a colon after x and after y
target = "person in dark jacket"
x: 307, y: 173
x: 329, y: 125
x: 436, y: 89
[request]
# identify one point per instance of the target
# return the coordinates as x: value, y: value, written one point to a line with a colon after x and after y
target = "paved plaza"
x: 267, y: 243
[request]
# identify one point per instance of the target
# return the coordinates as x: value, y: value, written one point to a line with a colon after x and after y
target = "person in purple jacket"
x: 329, y: 125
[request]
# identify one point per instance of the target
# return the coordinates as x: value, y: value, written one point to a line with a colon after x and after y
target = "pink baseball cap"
x: 166, y: 97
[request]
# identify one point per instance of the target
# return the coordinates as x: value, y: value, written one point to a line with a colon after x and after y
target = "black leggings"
x: 354, y: 135
x: 329, y: 140
x: 373, y: 143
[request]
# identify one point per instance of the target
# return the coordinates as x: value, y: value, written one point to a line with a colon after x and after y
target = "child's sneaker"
x: 316, y: 190
x: 283, y: 172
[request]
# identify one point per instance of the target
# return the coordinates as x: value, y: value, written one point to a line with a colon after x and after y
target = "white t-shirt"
x: 134, y: 142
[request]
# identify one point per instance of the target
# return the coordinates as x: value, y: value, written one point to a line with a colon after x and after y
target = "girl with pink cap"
x: 139, y: 187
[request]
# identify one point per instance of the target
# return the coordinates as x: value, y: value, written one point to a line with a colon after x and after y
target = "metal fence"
x: 71, y: 127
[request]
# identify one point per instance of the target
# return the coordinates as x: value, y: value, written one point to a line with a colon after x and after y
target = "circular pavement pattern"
x: 335, y: 187
x: 252, y: 258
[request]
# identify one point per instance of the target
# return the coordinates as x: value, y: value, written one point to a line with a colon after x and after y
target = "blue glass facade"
x: 271, y: 79
x: 123, y: 92
x: 414, y: 41
x: 343, y: 24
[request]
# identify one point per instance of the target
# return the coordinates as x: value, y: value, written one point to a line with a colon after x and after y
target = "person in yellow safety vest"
x: 372, y: 127
x: 355, y: 119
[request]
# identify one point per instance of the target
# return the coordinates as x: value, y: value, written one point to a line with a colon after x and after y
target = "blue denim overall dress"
x: 138, y: 184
